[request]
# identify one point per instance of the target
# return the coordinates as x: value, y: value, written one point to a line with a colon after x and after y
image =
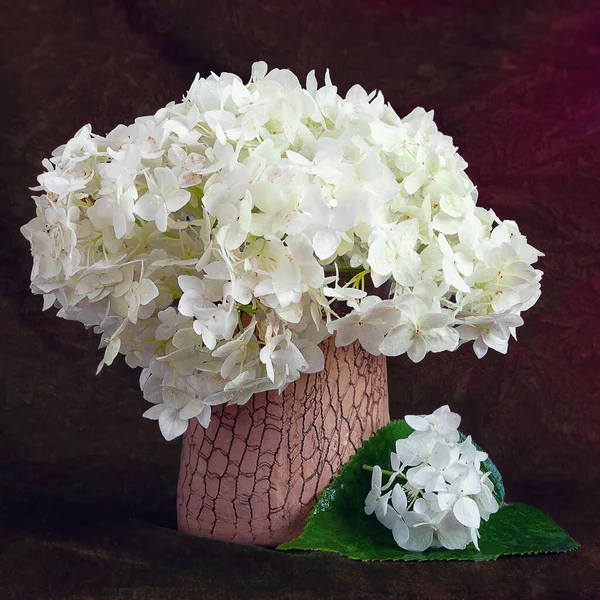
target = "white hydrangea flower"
x: 420, y: 331
x: 442, y: 495
x: 367, y: 324
x: 163, y: 197
x: 393, y: 252
x: 211, y: 238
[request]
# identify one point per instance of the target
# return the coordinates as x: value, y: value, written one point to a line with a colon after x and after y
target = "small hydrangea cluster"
x: 206, y: 242
x: 443, y: 493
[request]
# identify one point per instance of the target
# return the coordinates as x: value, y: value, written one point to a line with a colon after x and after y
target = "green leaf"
x: 339, y: 524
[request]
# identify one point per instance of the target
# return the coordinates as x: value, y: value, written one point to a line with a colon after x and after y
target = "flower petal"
x: 154, y: 412
x: 417, y: 351
x: 171, y: 426
x: 419, y: 476
x: 399, y: 499
x: 400, y: 532
x: 371, y: 502
x: 325, y: 243
x: 466, y: 512
x: 408, y: 268
x: 445, y: 500
x: 440, y: 456
x: 388, y: 519
x: 418, y: 423
x: 414, y: 181
x: 370, y: 339
x: 376, y: 478
x: 420, y: 538
x: 452, y: 535
x: 398, y: 341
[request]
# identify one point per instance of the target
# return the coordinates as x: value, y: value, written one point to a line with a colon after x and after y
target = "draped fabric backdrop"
x: 88, y: 487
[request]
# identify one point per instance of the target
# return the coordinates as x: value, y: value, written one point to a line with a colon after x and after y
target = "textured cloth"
x: 88, y: 487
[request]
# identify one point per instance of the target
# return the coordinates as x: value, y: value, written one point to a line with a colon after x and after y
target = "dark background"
x: 87, y: 487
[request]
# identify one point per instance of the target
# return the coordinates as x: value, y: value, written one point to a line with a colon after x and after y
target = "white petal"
x: 446, y: 223
x: 418, y: 423
x: 480, y: 348
x: 154, y: 412
x: 495, y: 343
x: 505, y: 299
x: 512, y: 320
x: 466, y: 512
x: 120, y: 224
x: 345, y: 336
x: 471, y: 484
x: 380, y: 257
x: 452, y: 276
x: 447, y: 423
x: 343, y: 217
x: 436, y: 484
x: 204, y: 417
x: 399, y: 499
x: 388, y: 519
x: 171, y: 426
x: 325, y: 243
x: 147, y: 291
x: 486, y: 502
x: 408, y: 268
x: 414, y: 181
x: 112, y: 350
x: 259, y: 70
x: 420, y: 476
x: 217, y: 270
x: 446, y: 500
x: 440, y: 456
x: 239, y: 92
x: 286, y: 277
x: 433, y: 321
x: 419, y: 538
x: 147, y: 207
x: 463, y: 264
x: 177, y: 200
x: 400, y: 532
x: 192, y: 409
x: 376, y: 477
x: 370, y: 339
x: 371, y: 502
x: 468, y: 332
x: 452, y: 535
x: 475, y: 537
x: 161, y: 217
x: 166, y: 180
x: 398, y: 341
x: 417, y: 351
x: 298, y: 158
x: 189, y: 283
x: 420, y: 506
x: 440, y: 339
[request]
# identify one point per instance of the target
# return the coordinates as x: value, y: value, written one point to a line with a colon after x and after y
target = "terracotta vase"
x: 255, y: 473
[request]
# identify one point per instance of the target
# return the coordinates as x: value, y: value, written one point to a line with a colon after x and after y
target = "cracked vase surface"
x: 254, y: 475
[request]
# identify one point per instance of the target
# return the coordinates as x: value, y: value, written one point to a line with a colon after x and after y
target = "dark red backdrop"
x: 516, y: 83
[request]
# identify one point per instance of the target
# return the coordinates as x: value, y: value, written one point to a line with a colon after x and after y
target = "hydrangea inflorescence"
x: 437, y: 493
x: 207, y: 243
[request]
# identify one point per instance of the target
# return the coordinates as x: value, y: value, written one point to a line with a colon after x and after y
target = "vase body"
x: 254, y: 475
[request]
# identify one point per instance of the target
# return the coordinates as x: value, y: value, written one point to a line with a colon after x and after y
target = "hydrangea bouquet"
x: 211, y: 243
x: 217, y: 243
